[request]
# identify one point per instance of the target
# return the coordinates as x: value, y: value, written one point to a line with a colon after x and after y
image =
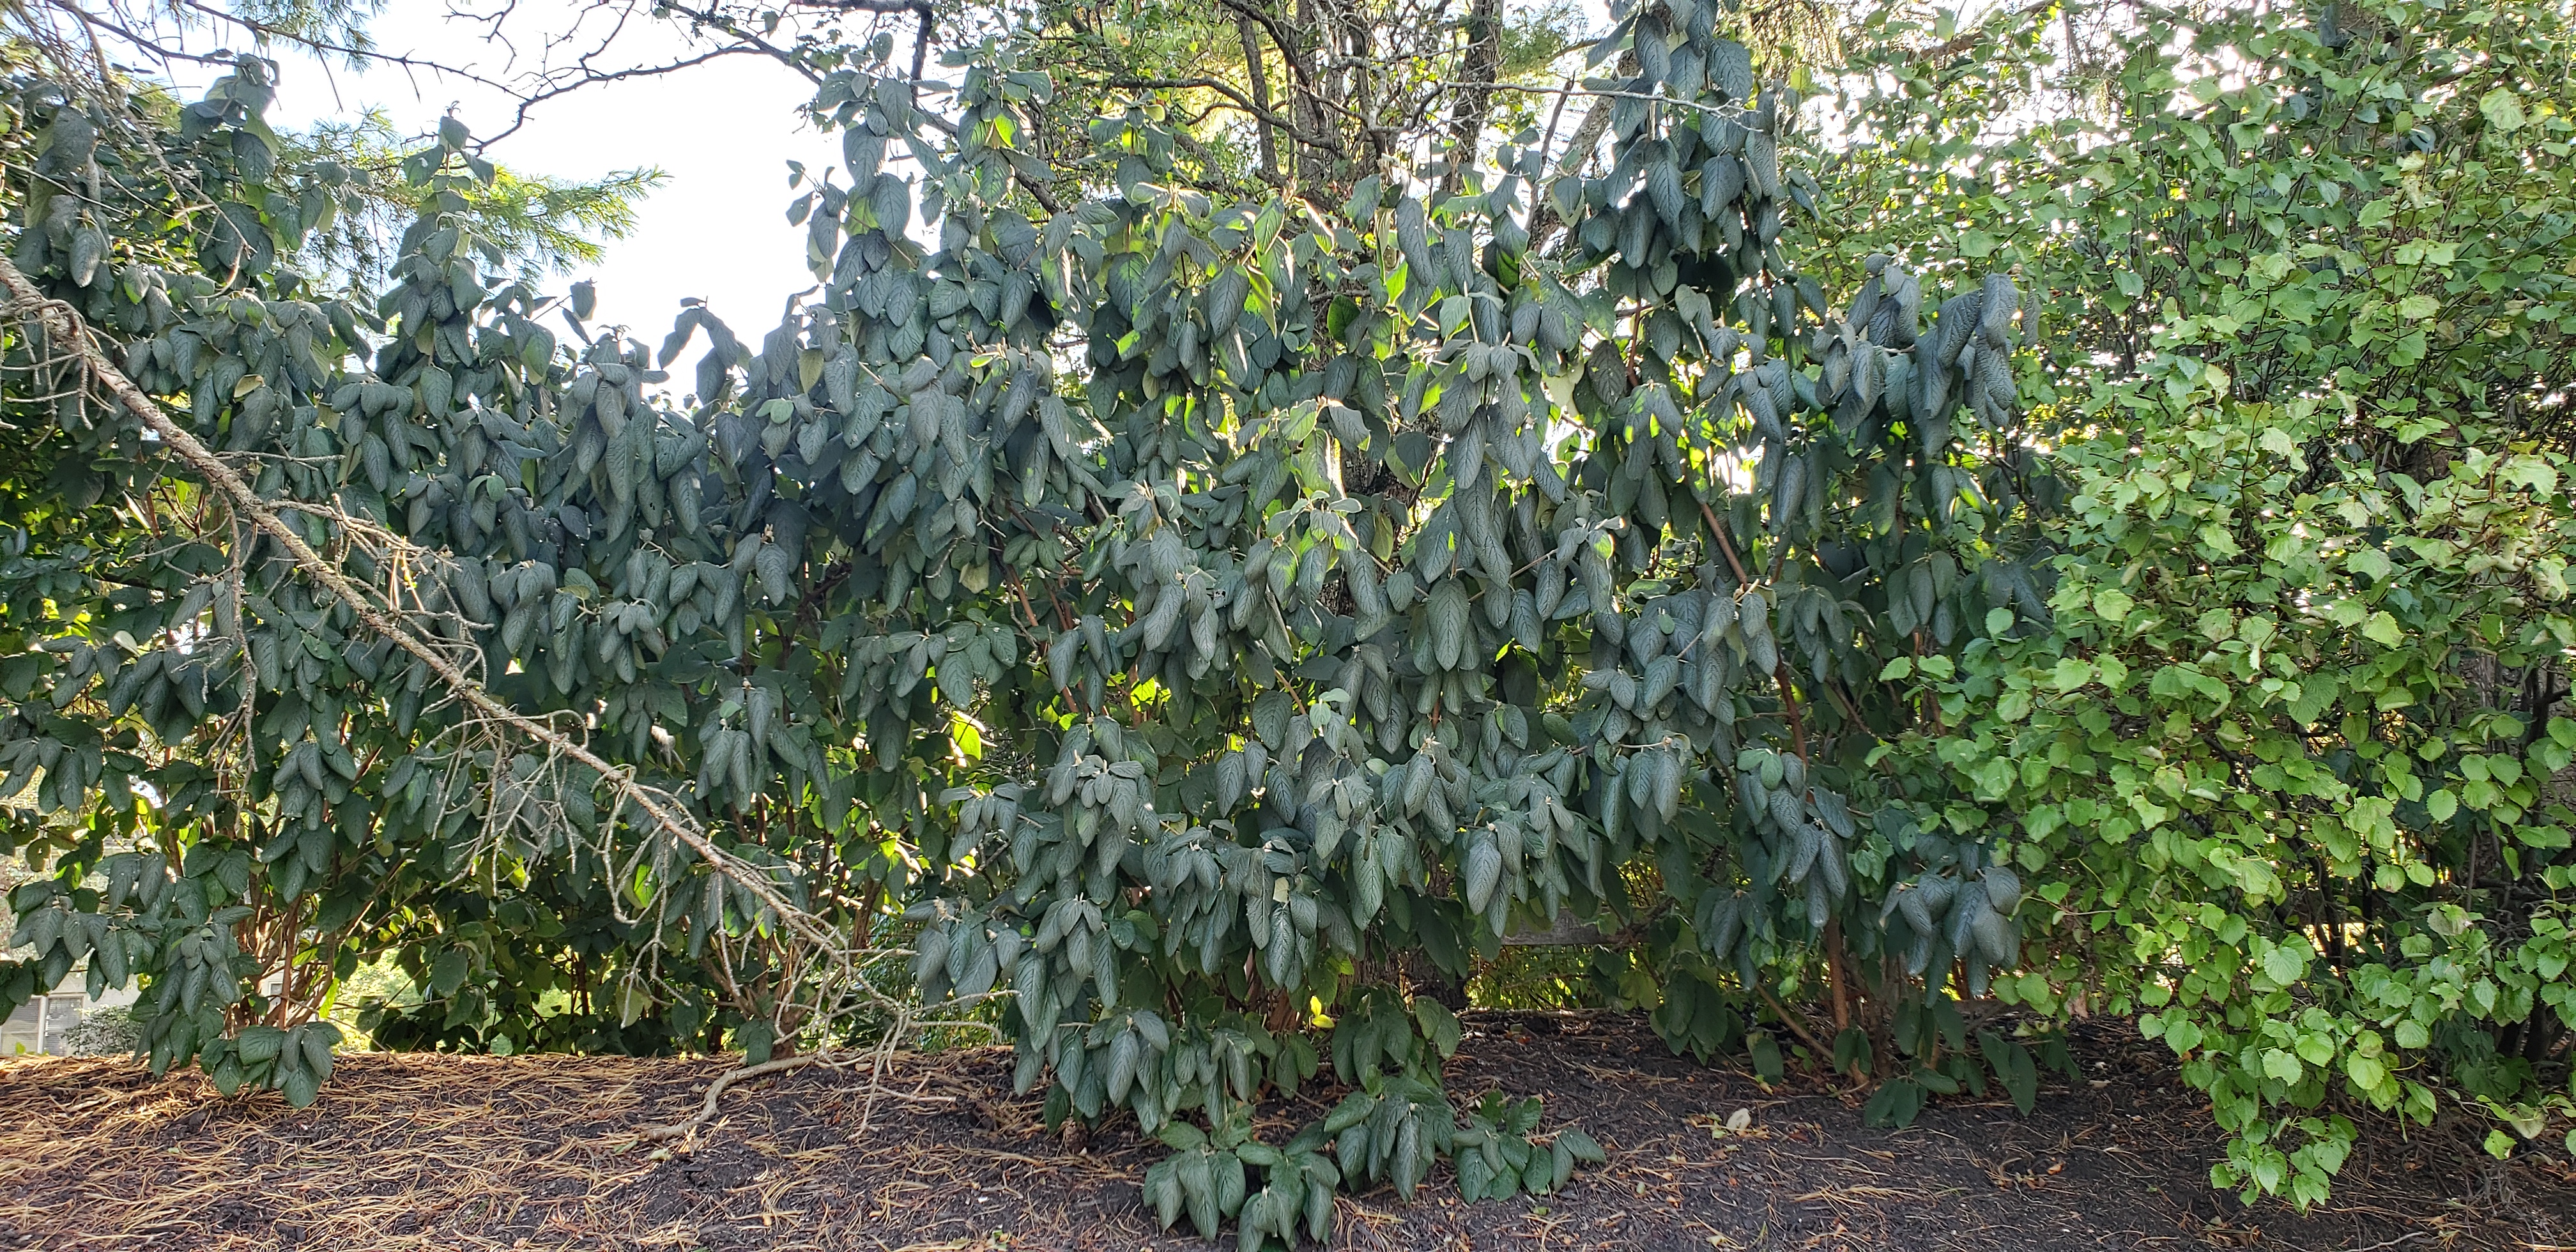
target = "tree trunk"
x: 1253, y: 65
x: 1477, y: 66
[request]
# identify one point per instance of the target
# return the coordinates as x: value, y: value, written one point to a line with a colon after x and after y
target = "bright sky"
x: 723, y: 131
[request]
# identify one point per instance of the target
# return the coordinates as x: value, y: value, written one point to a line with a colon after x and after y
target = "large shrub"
x: 1214, y: 590
x: 1403, y: 582
x: 2288, y: 766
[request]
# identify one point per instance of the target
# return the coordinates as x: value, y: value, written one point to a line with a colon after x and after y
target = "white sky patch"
x: 724, y: 132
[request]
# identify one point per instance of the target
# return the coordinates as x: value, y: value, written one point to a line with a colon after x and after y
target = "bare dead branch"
x: 66, y: 326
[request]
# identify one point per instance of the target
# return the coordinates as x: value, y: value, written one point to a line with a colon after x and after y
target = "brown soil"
x: 445, y: 1152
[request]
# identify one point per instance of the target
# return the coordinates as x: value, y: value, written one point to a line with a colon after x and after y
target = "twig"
x: 2409, y: 1237
x: 1724, y: 544
x: 593, y: 78
x: 1578, y: 153
x: 66, y: 322
x: 1796, y: 1025
x: 1833, y: 936
x: 1240, y: 101
x: 715, y: 1091
x: 1714, y: 110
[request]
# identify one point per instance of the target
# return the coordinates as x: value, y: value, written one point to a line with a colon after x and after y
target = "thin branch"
x: 591, y: 78
x: 1797, y: 1025
x: 1241, y: 101
x: 715, y: 1091
x: 1724, y: 544
x: 710, y: 18
x: 1715, y: 110
x: 355, y: 52
x: 864, y: 6
x: 66, y: 324
x: 93, y: 23
x: 920, y: 39
x: 1578, y: 153
x: 1780, y: 674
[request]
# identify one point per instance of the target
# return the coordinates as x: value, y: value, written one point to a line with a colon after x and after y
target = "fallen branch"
x: 715, y: 1091
x: 64, y: 322
x: 878, y: 1061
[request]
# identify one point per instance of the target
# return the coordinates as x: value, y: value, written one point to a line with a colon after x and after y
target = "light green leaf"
x: 1994, y: 778
x: 2284, y: 965
x: 2071, y: 673
x: 2502, y: 109
x: 2282, y: 1064
x: 2182, y: 1034
x: 2531, y: 471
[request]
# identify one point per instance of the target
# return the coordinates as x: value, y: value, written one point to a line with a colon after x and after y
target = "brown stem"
x: 1578, y: 153
x: 865, y: 932
x: 1547, y: 141
x: 1724, y: 544
x: 1238, y: 101
x: 1780, y: 672
x: 1025, y: 606
x: 1789, y: 705
x: 1842, y: 698
x: 1796, y: 1025
x: 1834, y: 980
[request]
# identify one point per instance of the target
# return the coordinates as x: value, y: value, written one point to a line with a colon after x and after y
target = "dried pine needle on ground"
x: 425, y: 1151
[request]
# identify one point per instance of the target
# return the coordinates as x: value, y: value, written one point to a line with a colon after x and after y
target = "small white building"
x: 42, y: 1024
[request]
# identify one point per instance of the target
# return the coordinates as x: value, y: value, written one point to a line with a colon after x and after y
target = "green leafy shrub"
x: 2287, y: 765
x: 1405, y: 581
x: 105, y: 1032
x: 1203, y: 604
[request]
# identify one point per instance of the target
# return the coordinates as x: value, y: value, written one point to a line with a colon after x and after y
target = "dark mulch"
x: 443, y: 1152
